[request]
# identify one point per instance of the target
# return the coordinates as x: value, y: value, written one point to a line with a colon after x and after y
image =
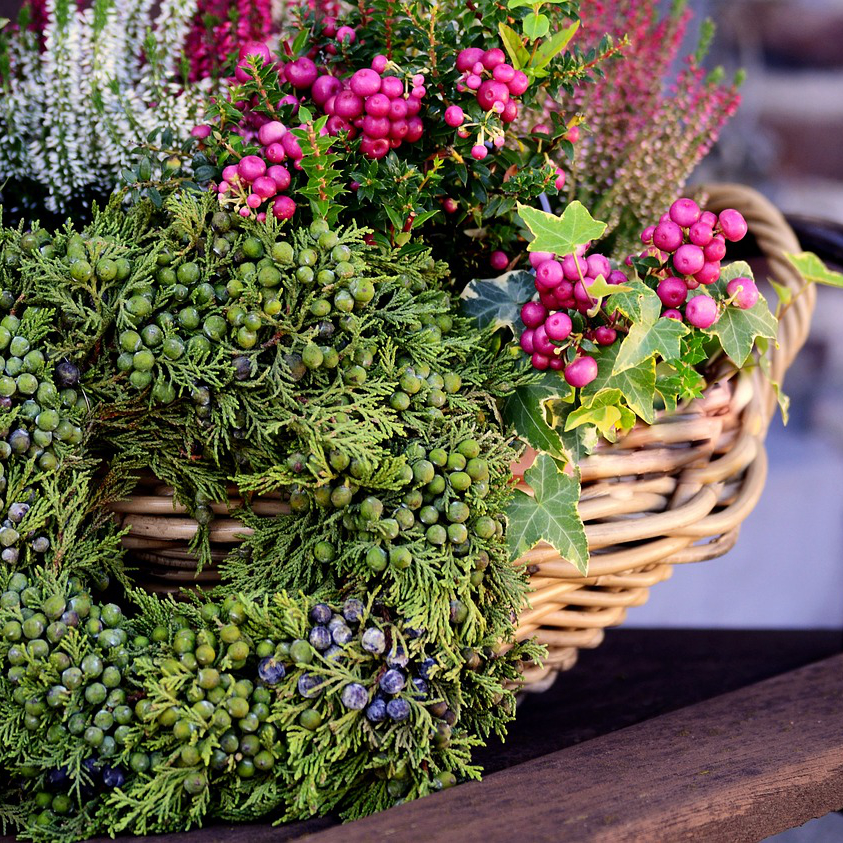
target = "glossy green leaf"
x: 518, y: 55
x: 648, y: 340
x: 636, y: 301
x: 554, y: 45
x: 497, y: 301
x: 536, y: 25
x: 551, y: 516
x: 637, y: 384
x: 527, y: 412
x: 814, y: 270
x: 561, y: 234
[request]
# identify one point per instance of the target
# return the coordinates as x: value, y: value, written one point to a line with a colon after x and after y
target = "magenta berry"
x: 348, y: 105
x: 540, y: 361
x: 392, y: 86
x: 672, y: 314
x: 533, y: 314
x: 265, y: 187
x: 709, y: 274
x: 301, y: 73
x: 526, y: 341
x: 365, y: 82
x: 479, y: 152
x: 700, y: 233
x: 498, y: 260
x: 558, y: 326
x: 604, y: 335
x: 732, y: 224
x: 454, y: 116
x: 744, y: 291
x: 559, y: 181
x: 684, y: 212
x: 283, y: 208
x: 715, y: 250
x: 647, y: 235
x: 280, y: 175
x: 581, y: 372
x: 347, y: 34
x: 520, y: 82
x: 701, y: 312
x: 467, y: 58
x: 672, y: 291
x: 549, y: 274
x: 688, y: 259
x: 271, y: 132
x: 379, y: 63
x: 668, y: 236
x: 492, y: 58
x: 617, y: 277
x: 251, y: 167
x: 541, y: 341
x: 598, y: 265
x: 538, y: 258
x: 574, y: 267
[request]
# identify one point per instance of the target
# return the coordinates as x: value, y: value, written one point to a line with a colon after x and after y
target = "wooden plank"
x: 734, y: 769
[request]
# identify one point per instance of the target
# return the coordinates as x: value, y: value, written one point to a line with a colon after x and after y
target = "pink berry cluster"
x: 254, y: 187
x: 563, y: 285
x: 495, y: 84
x: 690, y: 243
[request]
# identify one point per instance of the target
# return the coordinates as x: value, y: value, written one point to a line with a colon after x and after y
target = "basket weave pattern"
x: 673, y: 492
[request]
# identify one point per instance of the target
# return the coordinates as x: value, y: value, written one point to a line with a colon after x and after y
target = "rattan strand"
x: 669, y: 493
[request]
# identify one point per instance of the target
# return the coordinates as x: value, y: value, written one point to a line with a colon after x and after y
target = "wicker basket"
x: 668, y: 493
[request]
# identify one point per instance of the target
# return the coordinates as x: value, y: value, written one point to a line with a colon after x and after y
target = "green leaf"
x: 813, y: 270
x: 601, y: 288
x: 550, y: 516
x: 155, y: 197
x: 517, y: 4
x: 497, y: 301
x: 636, y: 301
x: 513, y: 45
x: 738, y: 329
x: 536, y: 26
x: 527, y: 412
x: 647, y: 340
x: 606, y: 413
x: 637, y: 384
x: 784, y: 294
x: 304, y: 114
x: 562, y: 234
x: 554, y: 45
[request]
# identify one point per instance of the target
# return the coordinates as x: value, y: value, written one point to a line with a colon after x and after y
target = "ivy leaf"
x: 600, y: 288
x: 781, y: 397
x: 606, y: 413
x: 550, y: 516
x: 497, y: 301
x: 738, y: 329
x: 554, y: 45
x: 514, y: 47
x: 562, y: 234
x: 637, y: 384
x: 636, y: 301
x: 645, y: 341
x: 527, y: 412
x: 536, y: 26
x: 814, y: 271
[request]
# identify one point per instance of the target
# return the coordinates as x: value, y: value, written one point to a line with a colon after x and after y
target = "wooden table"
x: 657, y: 736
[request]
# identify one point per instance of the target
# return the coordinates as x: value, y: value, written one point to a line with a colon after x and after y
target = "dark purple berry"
x: 321, y: 613
x: 113, y: 777
x: 355, y: 696
x: 353, y: 609
x: 320, y: 638
x: 341, y: 634
x: 376, y: 712
x: 392, y: 682
x: 309, y: 686
x: 57, y: 779
x: 425, y: 666
x: 420, y: 686
x: 271, y: 671
x: 242, y: 368
x: 398, y: 710
x: 66, y: 375
x: 373, y: 640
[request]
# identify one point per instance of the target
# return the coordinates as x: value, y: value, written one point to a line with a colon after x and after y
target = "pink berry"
x: 709, y: 273
x: 454, y: 116
x: 271, y: 132
x: 251, y: 167
x: 265, y: 187
x: 280, y: 175
x: 291, y: 146
x: 540, y: 361
x: 418, y: 92
x: 647, y: 235
x: 392, y: 86
x: 598, y: 265
x: 558, y: 326
x: 375, y: 127
x: 510, y: 112
x: 708, y: 218
x: 498, y: 261
x: 398, y: 109
x: 398, y: 129
x: 701, y: 311
x: 520, y: 82
x: 604, y: 335
x: 415, y: 129
x: 559, y: 181
x: 478, y: 68
x: 348, y: 105
x: 413, y: 106
x: 418, y: 80
x: 261, y: 216
x: 548, y: 299
x: 550, y: 274
x: 200, y: 132
x: 492, y: 58
x: 491, y: 92
x: 700, y: 234
x: 684, y: 212
x: 245, y: 212
x: 275, y: 153
x: 617, y: 277
x: 573, y: 134
x: 347, y: 34
x: 581, y: 372
x: 672, y: 291
x: 450, y: 205
x: 688, y: 259
x: 223, y: 187
x: 466, y: 59
x: 378, y: 105
x: 542, y: 342
x: 379, y: 63
x: 253, y: 200
x: 672, y: 314
x: 668, y: 236
x: 473, y: 82
x: 301, y: 73
x: 499, y: 141
x: 538, y: 258
x: 533, y: 314
x: 375, y: 148
x: 540, y: 129
x: 744, y: 291
x: 716, y: 249
x: 574, y: 267
x: 365, y: 82
x: 581, y: 295
x: 732, y: 224
x: 556, y: 363
x: 283, y: 208
x: 526, y: 341
x: 564, y: 290
x: 479, y: 152
x: 503, y: 73
x: 230, y: 173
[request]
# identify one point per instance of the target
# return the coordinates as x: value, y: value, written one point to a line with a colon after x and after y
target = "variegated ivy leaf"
x: 526, y: 411
x: 739, y: 329
x: 636, y: 301
x: 814, y: 271
x: 497, y: 301
x: 550, y: 515
x: 562, y: 234
x: 648, y: 340
x: 637, y: 384
x: 606, y: 412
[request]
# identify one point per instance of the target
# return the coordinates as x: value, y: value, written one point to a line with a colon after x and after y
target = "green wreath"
x: 362, y: 642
